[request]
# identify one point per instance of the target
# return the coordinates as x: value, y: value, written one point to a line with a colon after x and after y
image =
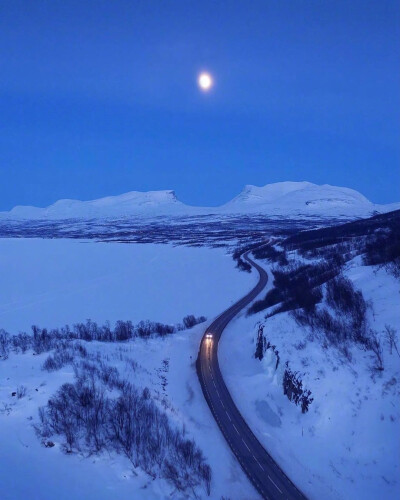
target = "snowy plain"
x: 52, y: 282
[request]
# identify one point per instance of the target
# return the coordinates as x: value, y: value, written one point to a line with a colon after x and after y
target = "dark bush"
x: 350, y: 232
x: 342, y: 297
x: 349, y: 322
x: 293, y: 389
x: 384, y: 249
x: 273, y: 297
x: 294, y: 287
x: 269, y: 252
x: 123, y: 330
x: 42, y: 340
x: 243, y: 265
x: 189, y: 321
x: 306, y: 299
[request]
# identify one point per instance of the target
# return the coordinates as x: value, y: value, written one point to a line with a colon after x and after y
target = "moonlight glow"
x: 205, y: 81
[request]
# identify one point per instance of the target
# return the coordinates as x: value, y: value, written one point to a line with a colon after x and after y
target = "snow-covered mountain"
x: 293, y: 199
x: 132, y: 203
x: 301, y: 197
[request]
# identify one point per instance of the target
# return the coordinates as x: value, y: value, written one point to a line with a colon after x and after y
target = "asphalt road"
x: 265, y: 474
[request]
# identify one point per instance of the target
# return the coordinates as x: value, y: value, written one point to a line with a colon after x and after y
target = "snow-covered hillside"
x: 295, y: 199
x: 346, y: 446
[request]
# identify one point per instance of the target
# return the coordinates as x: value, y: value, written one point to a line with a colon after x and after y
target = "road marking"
x: 275, y: 485
x: 261, y: 467
x: 235, y: 428
x: 246, y: 444
x: 228, y: 416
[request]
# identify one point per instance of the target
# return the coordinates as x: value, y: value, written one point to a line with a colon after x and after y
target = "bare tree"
x: 260, y: 347
x: 205, y: 471
x: 391, y: 337
x: 376, y: 348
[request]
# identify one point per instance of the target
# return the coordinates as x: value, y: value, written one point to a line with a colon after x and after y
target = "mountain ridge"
x: 281, y: 198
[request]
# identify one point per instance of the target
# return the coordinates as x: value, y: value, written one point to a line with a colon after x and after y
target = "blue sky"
x: 100, y: 97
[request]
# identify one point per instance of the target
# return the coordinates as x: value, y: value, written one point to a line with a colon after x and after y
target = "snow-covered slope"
x: 346, y: 446
x: 281, y: 199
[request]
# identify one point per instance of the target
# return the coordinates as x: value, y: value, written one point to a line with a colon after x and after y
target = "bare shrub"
x: 21, y: 342
x: 64, y: 354
x: 91, y: 420
x: 4, y: 344
x: 21, y: 391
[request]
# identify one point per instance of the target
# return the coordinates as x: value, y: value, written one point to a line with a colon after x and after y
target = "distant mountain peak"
x: 297, y: 196
x: 131, y: 203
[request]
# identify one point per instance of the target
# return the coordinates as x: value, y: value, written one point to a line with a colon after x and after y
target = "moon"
x: 205, y: 81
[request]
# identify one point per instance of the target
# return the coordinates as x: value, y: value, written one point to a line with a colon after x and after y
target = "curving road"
x: 267, y: 477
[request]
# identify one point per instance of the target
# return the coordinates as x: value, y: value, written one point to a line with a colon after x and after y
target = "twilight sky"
x: 100, y: 97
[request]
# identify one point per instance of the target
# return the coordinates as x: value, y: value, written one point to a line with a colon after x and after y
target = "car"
x: 209, y: 336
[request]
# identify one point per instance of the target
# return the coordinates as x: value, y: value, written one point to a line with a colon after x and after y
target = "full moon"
x: 205, y: 81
